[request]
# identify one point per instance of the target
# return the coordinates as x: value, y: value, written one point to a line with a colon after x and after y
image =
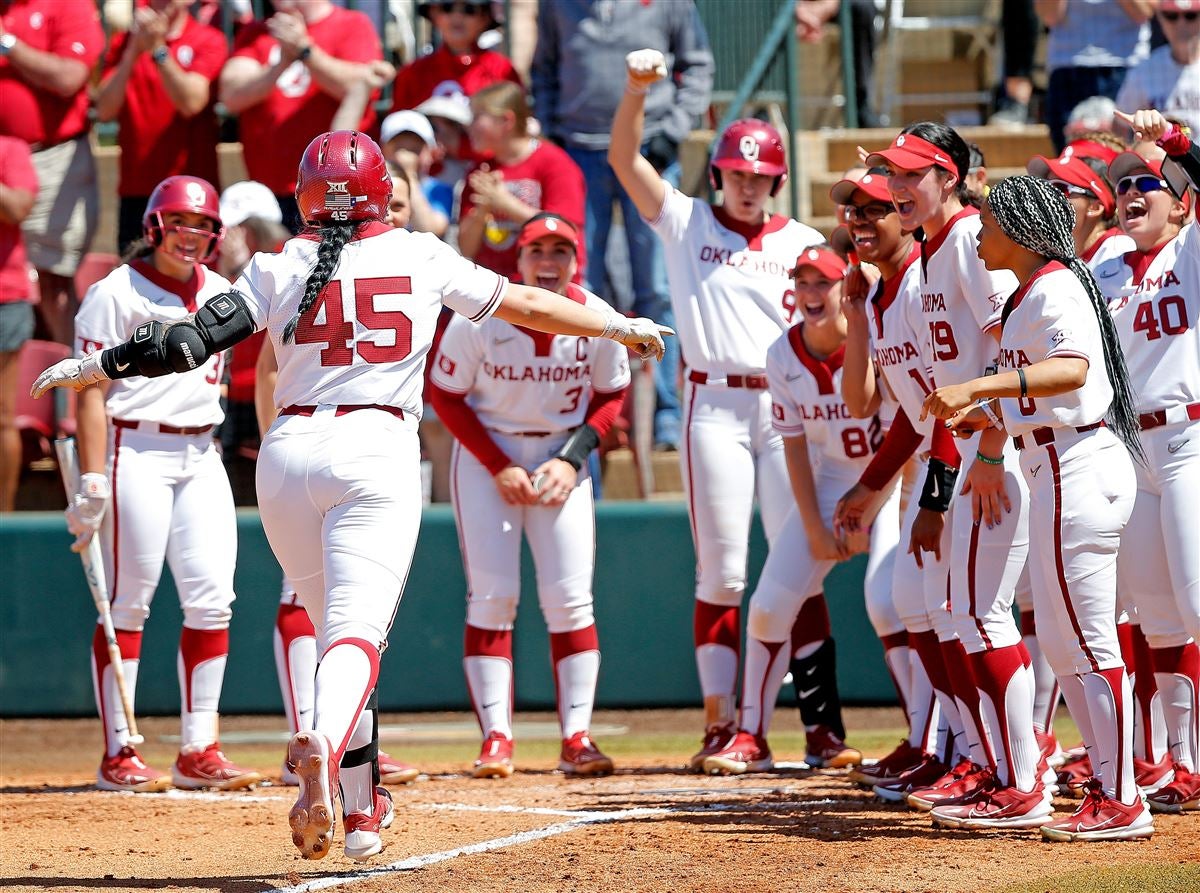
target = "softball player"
x: 825, y: 449
x: 728, y: 266
x: 153, y: 483
x: 526, y: 410
x: 1155, y: 302
x: 1064, y: 395
x: 350, y: 307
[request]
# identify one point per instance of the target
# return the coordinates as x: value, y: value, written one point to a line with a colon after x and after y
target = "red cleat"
x: 1073, y: 775
x: 580, y: 756
x: 1101, y: 817
x: 926, y: 773
x: 744, y: 753
x: 392, y: 771
x: 1181, y: 795
x: 825, y: 750
x: 956, y: 786
x: 891, y: 767
x: 994, y: 806
x: 209, y: 768
x: 1153, y: 777
x: 127, y: 771
x: 715, y: 738
x: 312, y: 817
x: 362, y: 830
x: 495, y: 757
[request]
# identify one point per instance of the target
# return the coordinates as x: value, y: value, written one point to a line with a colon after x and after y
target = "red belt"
x: 1044, y: 436
x: 162, y: 429
x: 343, y: 409
x: 753, y: 382
x: 524, y: 433
x: 1160, y: 417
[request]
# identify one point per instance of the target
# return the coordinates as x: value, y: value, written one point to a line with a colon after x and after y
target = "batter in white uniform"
x: 527, y: 409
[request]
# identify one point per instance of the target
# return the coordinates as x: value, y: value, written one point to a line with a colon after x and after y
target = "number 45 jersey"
x: 364, y: 340
x: 806, y: 400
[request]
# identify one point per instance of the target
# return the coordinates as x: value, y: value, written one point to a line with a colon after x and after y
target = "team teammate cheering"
x: 350, y: 307
x: 728, y: 267
x: 153, y: 478
x: 1064, y: 396
x: 527, y: 409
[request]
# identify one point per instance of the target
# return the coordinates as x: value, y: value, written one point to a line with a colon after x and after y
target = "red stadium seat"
x: 40, y: 421
x: 94, y: 267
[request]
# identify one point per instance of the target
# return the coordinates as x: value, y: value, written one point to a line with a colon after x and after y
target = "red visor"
x: 828, y: 263
x: 548, y: 226
x: 911, y: 153
x: 872, y: 185
x: 1074, y: 170
x: 1089, y: 149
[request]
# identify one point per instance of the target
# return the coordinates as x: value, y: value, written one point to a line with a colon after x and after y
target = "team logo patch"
x: 338, y: 200
x: 195, y: 193
x: 446, y: 364
x: 186, y: 55
x: 749, y: 148
x: 900, y: 140
x: 1058, y: 338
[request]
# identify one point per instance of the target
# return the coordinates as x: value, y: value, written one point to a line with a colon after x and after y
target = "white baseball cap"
x: 407, y: 121
x: 249, y: 198
x: 456, y: 108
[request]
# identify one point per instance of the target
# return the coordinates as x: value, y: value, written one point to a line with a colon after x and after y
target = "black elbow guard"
x: 939, y: 487
x: 224, y: 321
x: 579, y: 446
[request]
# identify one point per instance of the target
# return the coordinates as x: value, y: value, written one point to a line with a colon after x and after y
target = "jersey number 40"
x: 337, y: 334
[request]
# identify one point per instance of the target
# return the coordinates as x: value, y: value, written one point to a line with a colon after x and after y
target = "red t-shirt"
x: 443, y: 73
x: 276, y: 132
x: 157, y: 141
x: 16, y: 172
x: 547, y: 180
x: 67, y: 28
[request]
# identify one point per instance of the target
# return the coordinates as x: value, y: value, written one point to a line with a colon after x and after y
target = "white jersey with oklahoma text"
x: 1112, y: 243
x: 900, y: 342
x: 732, y: 297
x: 1052, y: 316
x: 136, y: 293
x: 806, y: 400
x: 517, y: 380
x: 355, y: 346
x: 962, y: 300
x: 1154, y: 298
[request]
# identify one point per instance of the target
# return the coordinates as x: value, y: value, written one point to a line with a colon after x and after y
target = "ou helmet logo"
x: 195, y: 193
x: 748, y: 146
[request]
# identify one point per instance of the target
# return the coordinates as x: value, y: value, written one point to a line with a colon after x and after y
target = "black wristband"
x: 938, y: 488
x: 1024, y: 384
x: 579, y: 446
x: 305, y: 53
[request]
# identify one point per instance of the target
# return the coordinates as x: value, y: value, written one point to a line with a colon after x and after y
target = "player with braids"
x: 1071, y: 417
x: 339, y: 480
x: 1154, y: 298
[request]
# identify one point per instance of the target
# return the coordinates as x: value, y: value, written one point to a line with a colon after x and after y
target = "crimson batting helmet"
x: 750, y: 145
x: 343, y: 177
x: 184, y: 195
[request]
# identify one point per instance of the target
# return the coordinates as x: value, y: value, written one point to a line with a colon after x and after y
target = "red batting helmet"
x: 184, y: 195
x: 750, y: 145
x: 343, y: 177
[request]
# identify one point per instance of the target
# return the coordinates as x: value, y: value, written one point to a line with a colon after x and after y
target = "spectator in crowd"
x: 1169, y: 80
x: 1020, y: 28
x: 18, y: 189
x: 158, y: 84
x: 1092, y: 115
x: 977, y: 177
x: 458, y: 65
x: 400, y: 205
x: 527, y: 176
x: 450, y: 116
x: 811, y: 18
x: 409, y: 144
x: 356, y: 104
x: 1092, y: 44
x: 47, y: 51
x: 575, y: 97
x: 285, y: 81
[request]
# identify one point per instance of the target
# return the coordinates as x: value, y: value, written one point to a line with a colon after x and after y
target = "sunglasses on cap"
x: 467, y: 9
x: 1141, y: 182
x: 1176, y: 16
x: 1070, y: 189
x: 872, y: 213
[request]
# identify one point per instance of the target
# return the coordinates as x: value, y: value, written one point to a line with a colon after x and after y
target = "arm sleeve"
x: 603, y: 409
x: 898, y: 445
x: 462, y: 422
x: 943, y: 447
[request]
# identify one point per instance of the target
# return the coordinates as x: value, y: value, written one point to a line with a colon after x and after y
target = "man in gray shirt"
x: 578, y: 79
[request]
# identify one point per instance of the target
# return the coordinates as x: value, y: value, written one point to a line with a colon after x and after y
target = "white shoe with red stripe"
x: 362, y: 830
x: 1101, y: 817
x: 127, y: 771
x: 997, y: 807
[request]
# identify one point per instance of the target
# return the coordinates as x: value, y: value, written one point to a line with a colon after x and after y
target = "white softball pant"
x: 562, y: 540
x: 730, y: 452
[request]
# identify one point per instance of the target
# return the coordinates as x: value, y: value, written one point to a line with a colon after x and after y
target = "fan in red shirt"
x: 285, y: 81
x: 47, y: 50
x: 527, y: 176
x: 158, y: 84
x: 458, y: 66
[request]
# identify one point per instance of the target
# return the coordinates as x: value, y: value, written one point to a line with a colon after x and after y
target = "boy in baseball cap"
x: 409, y: 144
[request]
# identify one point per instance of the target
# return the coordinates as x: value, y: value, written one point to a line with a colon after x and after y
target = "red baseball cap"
x: 911, y: 153
x: 828, y: 263
x: 1090, y: 149
x: 874, y: 185
x: 548, y: 225
x: 1072, y: 169
x: 1179, y: 6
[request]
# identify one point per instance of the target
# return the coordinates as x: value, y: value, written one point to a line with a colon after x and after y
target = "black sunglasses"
x: 872, y: 213
x: 1176, y: 16
x: 467, y: 9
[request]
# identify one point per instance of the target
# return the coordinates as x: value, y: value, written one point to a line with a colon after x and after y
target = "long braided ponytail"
x: 1039, y: 218
x: 334, y: 237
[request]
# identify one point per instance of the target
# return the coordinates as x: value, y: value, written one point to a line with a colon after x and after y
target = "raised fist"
x: 87, y: 508
x: 70, y: 373
x: 644, y: 67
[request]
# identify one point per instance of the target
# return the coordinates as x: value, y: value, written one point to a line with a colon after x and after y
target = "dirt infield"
x: 650, y: 827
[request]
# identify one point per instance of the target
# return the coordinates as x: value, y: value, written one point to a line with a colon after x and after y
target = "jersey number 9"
x: 338, y: 334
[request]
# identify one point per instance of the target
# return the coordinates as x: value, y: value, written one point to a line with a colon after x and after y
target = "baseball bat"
x: 93, y: 572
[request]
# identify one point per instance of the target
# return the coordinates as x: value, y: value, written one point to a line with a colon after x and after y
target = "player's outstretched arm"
x: 157, y: 348
x: 637, y: 175
x: 538, y: 308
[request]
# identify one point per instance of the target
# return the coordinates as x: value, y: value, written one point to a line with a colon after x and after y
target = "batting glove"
x: 70, y: 373
x: 643, y: 336
x: 644, y: 67
x: 87, y: 508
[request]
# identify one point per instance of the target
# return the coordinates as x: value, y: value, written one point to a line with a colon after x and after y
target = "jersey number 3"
x: 338, y: 334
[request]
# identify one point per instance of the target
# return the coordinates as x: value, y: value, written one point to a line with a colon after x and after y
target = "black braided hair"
x: 949, y: 141
x: 333, y: 238
x: 1039, y: 218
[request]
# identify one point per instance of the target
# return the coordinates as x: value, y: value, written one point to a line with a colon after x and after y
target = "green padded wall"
x: 644, y: 577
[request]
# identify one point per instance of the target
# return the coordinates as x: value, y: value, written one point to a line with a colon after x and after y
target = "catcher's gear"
x: 750, y: 145
x: 343, y: 177
x: 645, y: 67
x: 185, y: 195
x: 70, y: 373
x: 644, y: 336
x: 86, y: 509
